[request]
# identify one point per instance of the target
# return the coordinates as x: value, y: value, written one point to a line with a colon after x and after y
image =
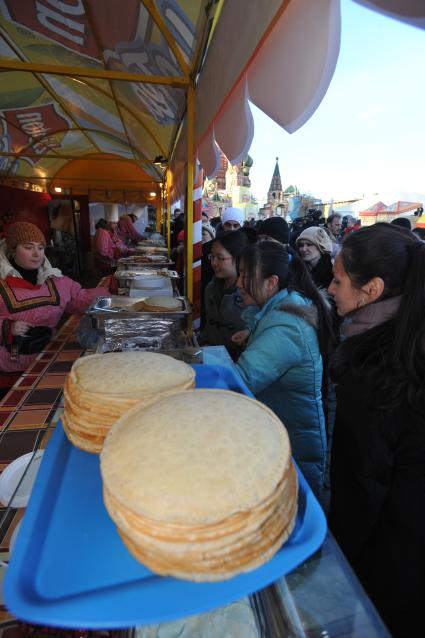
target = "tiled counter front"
x: 28, y: 415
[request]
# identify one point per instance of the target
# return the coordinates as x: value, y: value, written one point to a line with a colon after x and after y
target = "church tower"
x: 275, y: 195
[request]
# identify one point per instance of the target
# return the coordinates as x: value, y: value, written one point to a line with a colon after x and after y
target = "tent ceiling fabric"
x: 286, y: 77
x: 75, y: 97
x: 91, y: 83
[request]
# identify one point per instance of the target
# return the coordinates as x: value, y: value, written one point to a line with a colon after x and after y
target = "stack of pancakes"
x: 158, y: 303
x: 101, y: 387
x: 200, y: 484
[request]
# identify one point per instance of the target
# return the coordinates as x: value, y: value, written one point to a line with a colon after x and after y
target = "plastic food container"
x: 13, y: 476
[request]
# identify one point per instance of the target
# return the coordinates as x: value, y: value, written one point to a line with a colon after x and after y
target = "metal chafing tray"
x: 124, y: 277
x: 161, y: 243
x: 119, y: 306
x: 133, y: 263
x: 151, y: 250
x: 142, y: 334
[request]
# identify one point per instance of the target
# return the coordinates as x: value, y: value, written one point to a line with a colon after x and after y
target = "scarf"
x: 26, y: 273
x: 369, y: 316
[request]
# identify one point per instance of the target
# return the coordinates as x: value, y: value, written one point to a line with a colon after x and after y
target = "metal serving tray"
x: 181, y: 346
x: 124, y: 273
x: 120, y: 306
x: 131, y: 263
x: 151, y: 250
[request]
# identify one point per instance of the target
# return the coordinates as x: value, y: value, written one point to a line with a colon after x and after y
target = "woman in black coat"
x: 315, y: 248
x: 377, y: 510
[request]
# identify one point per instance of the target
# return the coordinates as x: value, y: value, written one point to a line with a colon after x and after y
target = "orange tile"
x: 68, y: 355
x: 30, y: 418
x: 52, y: 380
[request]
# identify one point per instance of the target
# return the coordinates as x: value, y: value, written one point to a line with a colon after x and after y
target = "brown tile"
x: 73, y: 345
x: 52, y: 380
x: 70, y: 355
x: 26, y: 381
x: 9, y: 531
x: 14, y: 397
x: 38, y: 367
x: 29, y: 418
x: 4, y: 416
x: 45, y: 396
x: 17, y: 442
x: 47, y: 356
x: 52, y: 347
x: 60, y: 366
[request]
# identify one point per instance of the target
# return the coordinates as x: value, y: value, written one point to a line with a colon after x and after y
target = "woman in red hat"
x: 33, y: 298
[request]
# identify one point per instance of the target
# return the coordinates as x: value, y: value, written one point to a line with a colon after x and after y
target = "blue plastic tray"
x: 71, y: 569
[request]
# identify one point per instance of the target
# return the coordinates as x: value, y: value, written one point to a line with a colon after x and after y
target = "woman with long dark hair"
x: 223, y: 303
x: 290, y: 341
x: 378, y: 455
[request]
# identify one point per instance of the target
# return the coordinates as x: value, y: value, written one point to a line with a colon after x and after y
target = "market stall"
x: 120, y: 110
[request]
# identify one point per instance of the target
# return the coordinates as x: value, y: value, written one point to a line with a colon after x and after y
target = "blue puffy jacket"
x: 282, y: 366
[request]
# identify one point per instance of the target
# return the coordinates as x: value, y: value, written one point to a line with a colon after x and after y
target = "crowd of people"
x: 325, y: 323
x: 330, y: 313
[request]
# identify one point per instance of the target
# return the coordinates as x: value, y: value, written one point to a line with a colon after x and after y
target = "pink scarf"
x: 369, y: 316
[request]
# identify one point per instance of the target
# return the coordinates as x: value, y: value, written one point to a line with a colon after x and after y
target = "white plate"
x: 12, y: 475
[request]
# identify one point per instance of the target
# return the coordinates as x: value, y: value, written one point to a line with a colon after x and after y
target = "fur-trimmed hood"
x: 45, y: 271
x: 308, y: 312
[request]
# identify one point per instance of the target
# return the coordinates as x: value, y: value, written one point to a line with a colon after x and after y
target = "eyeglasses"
x: 212, y: 257
x: 229, y: 225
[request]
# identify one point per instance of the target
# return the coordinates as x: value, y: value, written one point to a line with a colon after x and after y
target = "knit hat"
x: 317, y: 236
x: 209, y: 229
x: 22, y: 233
x: 276, y: 228
x: 232, y: 214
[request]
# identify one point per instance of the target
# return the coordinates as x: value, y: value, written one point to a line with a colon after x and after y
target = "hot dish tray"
x: 120, y: 306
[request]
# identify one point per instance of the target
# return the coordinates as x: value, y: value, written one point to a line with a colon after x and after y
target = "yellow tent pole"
x: 158, y: 213
x: 100, y: 74
x: 168, y: 226
x: 189, y: 198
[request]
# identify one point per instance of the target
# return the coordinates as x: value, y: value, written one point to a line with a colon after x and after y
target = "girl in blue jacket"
x: 290, y: 338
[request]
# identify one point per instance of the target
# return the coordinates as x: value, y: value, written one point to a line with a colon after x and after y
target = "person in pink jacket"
x: 33, y: 298
x: 127, y: 231
x: 108, y: 246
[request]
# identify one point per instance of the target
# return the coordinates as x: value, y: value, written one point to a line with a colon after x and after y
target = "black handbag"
x: 32, y: 342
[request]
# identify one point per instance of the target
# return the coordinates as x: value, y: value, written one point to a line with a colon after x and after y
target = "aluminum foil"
x: 139, y: 334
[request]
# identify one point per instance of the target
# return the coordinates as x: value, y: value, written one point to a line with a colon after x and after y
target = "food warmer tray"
x: 131, y: 263
x: 71, y: 569
x: 124, y: 277
x: 121, y: 306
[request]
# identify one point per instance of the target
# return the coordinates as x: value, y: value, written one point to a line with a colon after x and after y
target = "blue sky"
x: 367, y: 137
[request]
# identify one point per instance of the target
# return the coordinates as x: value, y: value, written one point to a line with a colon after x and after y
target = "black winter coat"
x: 322, y: 273
x: 377, y: 508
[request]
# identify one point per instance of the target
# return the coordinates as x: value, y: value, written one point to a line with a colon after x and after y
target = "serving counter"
x: 321, y: 597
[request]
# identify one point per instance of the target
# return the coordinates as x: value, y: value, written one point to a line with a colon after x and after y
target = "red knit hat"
x: 22, y: 233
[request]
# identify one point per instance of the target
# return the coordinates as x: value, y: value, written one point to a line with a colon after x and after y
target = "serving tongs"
x: 103, y: 304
